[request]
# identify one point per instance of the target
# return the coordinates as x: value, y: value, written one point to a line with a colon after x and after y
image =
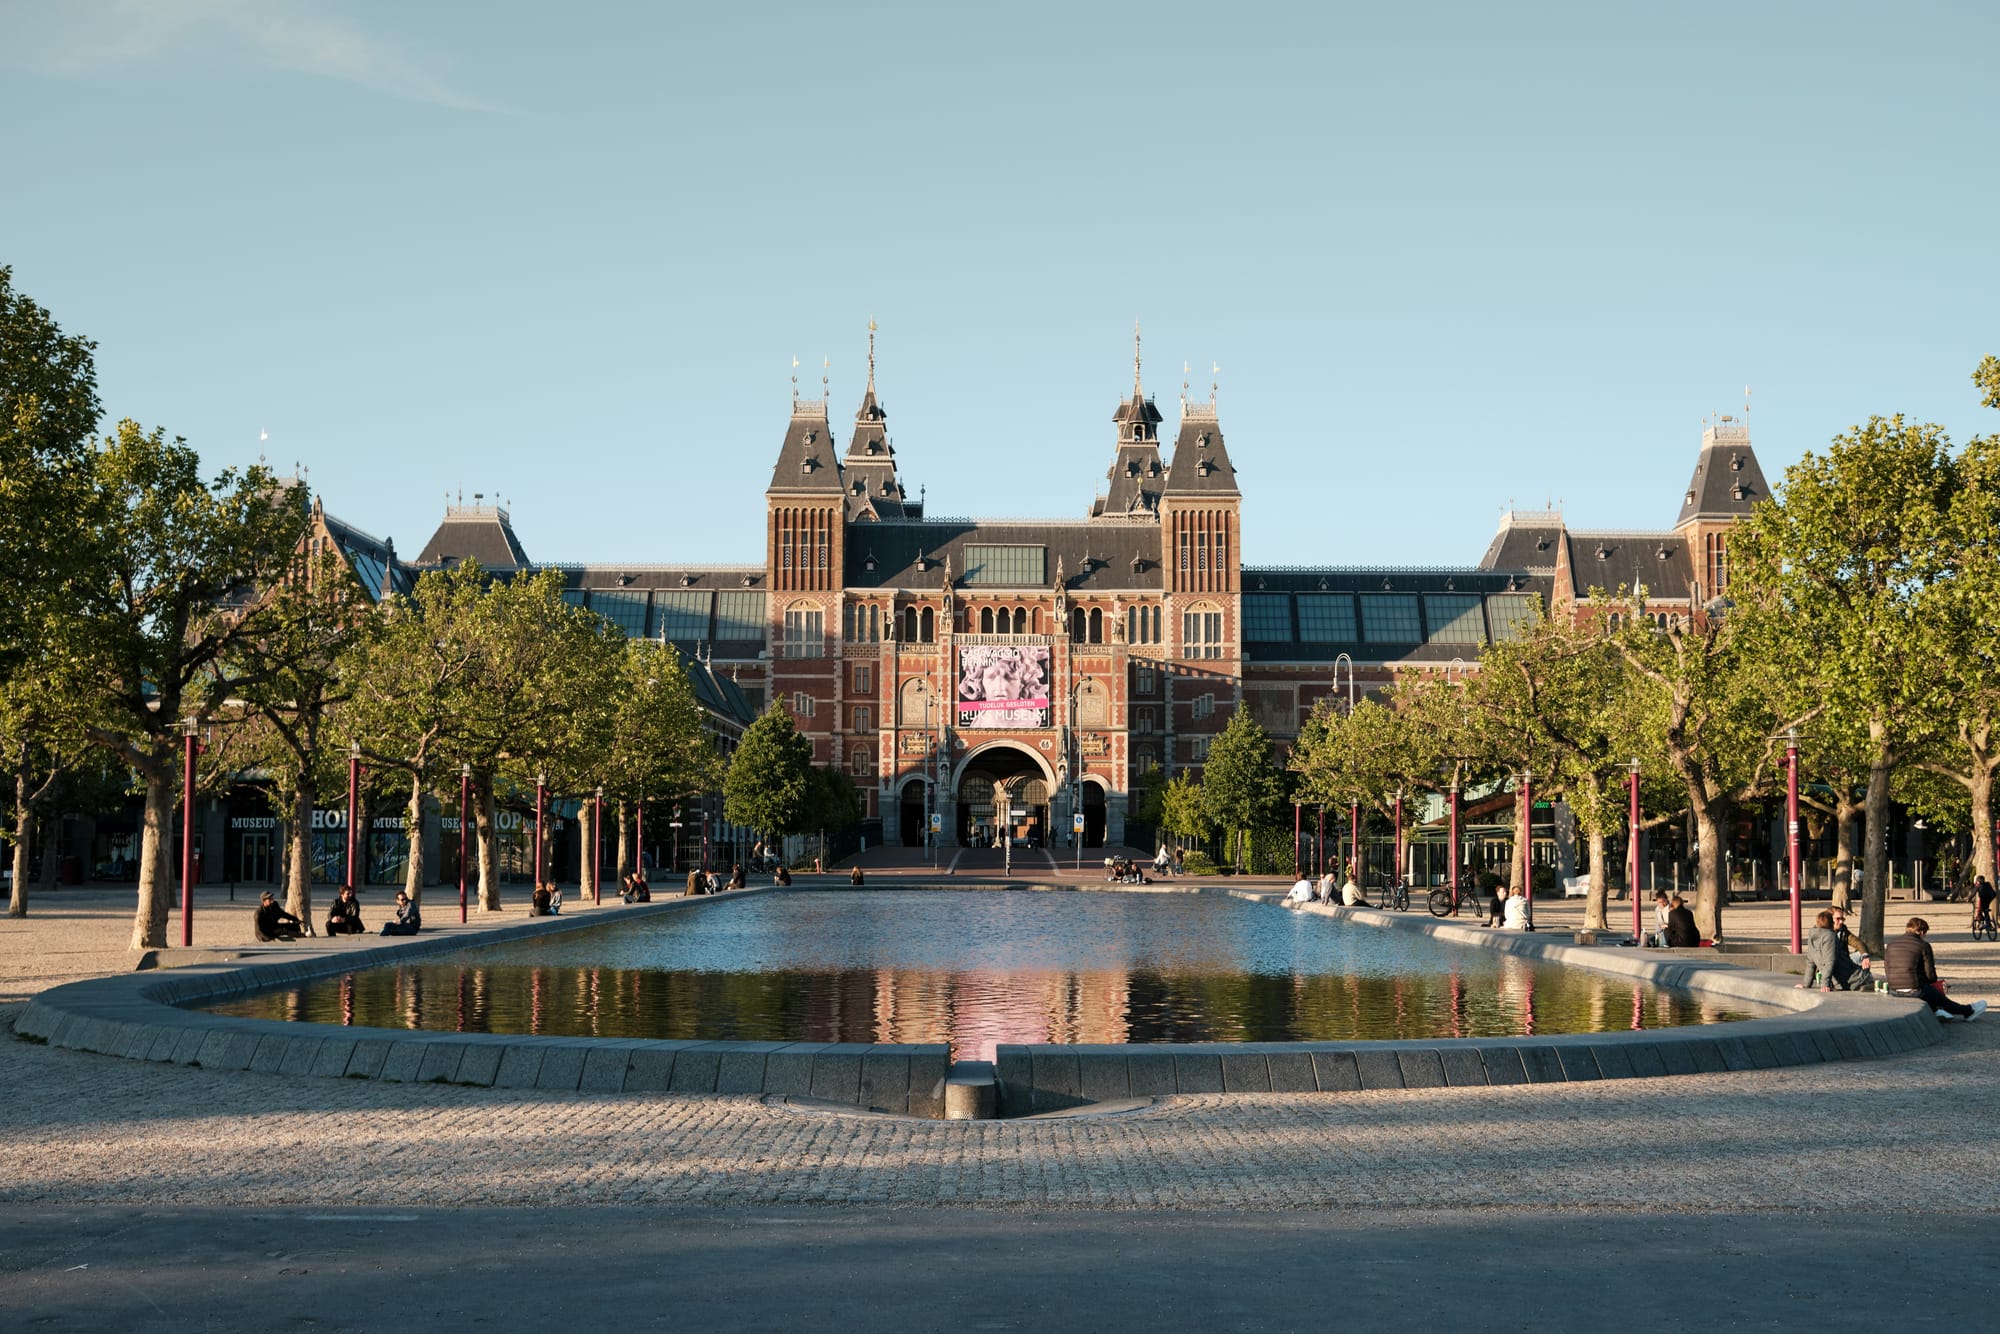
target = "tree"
x: 1845, y: 561
x: 168, y: 566
x: 43, y: 744
x: 833, y: 803
x: 658, y: 747
x: 1240, y: 784
x: 48, y: 414
x: 291, y: 674
x: 769, y: 777
x: 1183, y: 813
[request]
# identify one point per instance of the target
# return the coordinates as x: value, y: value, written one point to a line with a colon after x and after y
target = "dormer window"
x: 1736, y: 463
x: 1202, y: 468
x: 873, y: 447
x: 1603, y: 552
x: 1202, y: 440
x: 1662, y: 552
x: 868, y: 562
x: 1690, y: 499
x: 1739, y: 492
x: 1541, y: 544
x: 687, y: 581
x: 859, y: 486
x: 807, y: 465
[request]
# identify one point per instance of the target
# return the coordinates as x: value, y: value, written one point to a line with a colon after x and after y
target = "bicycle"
x: 1440, y: 904
x: 1397, y: 896
x: 1983, y: 926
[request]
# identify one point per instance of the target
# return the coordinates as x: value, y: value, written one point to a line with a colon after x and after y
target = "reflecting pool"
x: 976, y: 968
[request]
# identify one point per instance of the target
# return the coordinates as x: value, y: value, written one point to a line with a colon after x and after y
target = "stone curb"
x: 140, y: 1016
x: 1821, y: 1027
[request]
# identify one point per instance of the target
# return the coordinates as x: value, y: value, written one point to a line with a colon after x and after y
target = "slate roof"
x: 373, y: 559
x: 1727, y: 481
x: 1137, y: 474
x: 868, y: 472
x: 1524, y: 543
x: 807, y: 461
x: 1201, y: 465
x: 1471, y: 581
x: 1095, y: 557
x: 483, y: 533
x: 1661, y: 562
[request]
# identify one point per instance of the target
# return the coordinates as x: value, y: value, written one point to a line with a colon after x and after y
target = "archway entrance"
x: 910, y: 818
x: 996, y: 779
x: 1093, y: 815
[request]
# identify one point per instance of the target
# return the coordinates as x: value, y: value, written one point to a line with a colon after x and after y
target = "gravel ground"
x: 77, y: 1128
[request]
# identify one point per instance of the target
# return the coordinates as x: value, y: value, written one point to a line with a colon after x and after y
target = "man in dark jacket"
x: 1912, y: 971
x: 273, y: 922
x: 409, y: 920
x: 1682, y: 933
x: 344, y: 917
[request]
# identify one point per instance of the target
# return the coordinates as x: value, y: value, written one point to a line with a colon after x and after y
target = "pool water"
x: 976, y: 968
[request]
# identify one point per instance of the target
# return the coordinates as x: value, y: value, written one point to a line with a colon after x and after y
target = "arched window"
x: 1034, y: 620
x: 864, y: 761
x: 1076, y: 625
x: 1020, y: 620
x: 927, y: 627
x: 1201, y: 631
x: 917, y: 709
x: 874, y: 624
x: 909, y: 625
x: 1097, y: 625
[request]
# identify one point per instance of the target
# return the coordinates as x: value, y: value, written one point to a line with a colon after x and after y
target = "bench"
x: 1576, y: 886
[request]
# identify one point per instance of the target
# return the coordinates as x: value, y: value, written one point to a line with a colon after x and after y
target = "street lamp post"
x: 464, y: 832
x: 1632, y: 852
x: 597, y: 848
x: 541, y: 797
x: 187, y: 837
x: 1792, y: 829
x: 1337, y: 661
x: 353, y: 793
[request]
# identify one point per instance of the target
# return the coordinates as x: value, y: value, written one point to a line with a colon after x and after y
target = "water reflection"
x: 979, y: 969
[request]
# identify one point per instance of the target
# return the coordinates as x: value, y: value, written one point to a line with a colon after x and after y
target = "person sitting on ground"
x: 1982, y: 901
x: 1913, y: 972
x: 1302, y: 891
x: 1682, y: 933
x: 1823, y: 954
x: 1514, y: 915
x: 344, y: 917
x: 637, y: 890
x: 736, y: 880
x: 1351, y: 895
x: 782, y: 876
x: 855, y: 877
x: 555, y: 897
x: 1848, y: 946
x: 1326, y: 889
x: 408, y: 920
x: 1660, y: 909
x: 538, y: 906
x: 274, y: 923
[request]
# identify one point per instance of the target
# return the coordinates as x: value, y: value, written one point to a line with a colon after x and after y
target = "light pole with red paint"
x: 1354, y: 841
x: 541, y: 799
x: 1632, y: 851
x: 597, y: 848
x: 353, y: 796
x: 1528, y: 844
x: 464, y: 831
x: 1453, y: 802
x: 187, y: 836
x: 1792, y: 829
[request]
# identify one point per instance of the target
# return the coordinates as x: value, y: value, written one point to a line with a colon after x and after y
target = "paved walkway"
x: 78, y: 1128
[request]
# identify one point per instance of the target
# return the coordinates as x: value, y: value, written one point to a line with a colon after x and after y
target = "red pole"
x: 1528, y: 843
x: 1792, y: 830
x: 1319, y: 843
x: 1454, y: 848
x: 639, y: 837
x: 1295, y: 840
x: 540, y: 797
x: 353, y: 789
x: 597, y: 850
x: 187, y: 843
x: 1632, y: 857
x: 464, y: 832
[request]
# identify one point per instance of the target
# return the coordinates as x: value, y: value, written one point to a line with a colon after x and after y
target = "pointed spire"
x: 1138, y: 388
x: 871, y: 356
x: 795, y: 379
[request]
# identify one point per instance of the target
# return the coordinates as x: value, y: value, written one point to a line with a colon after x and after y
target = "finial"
x: 795, y: 379
x: 1137, y: 390
x: 1184, y: 386
x: 1746, y: 402
x: 825, y: 369
x: 871, y: 354
x: 1214, y: 379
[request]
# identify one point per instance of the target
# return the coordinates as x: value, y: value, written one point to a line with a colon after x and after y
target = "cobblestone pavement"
x: 77, y: 1128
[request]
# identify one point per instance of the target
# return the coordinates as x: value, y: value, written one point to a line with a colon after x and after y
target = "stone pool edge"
x: 1819, y: 1027
x: 141, y: 1016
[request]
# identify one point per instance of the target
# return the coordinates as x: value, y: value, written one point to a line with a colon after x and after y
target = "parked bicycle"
x: 1441, y: 905
x: 1397, y: 896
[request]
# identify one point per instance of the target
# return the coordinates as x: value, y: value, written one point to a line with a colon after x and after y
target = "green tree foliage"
x: 169, y: 564
x: 768, y: 785
x: 1240, y: 784
x: 1845, y: 563
x: 48, y: 414
x: 1183, y: 812
x: 656, y: 746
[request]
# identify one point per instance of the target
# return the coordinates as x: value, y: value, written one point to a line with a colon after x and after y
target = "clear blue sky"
x: 1447, y: 256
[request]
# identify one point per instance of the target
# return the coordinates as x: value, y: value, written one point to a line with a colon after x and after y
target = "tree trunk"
x: 1711, y: 817
x: 298, y: 871
x: 489, y: 847
x: 1845, y: 812
x: 1981, y: 790
x: 586, y: 830
x: 156, y: 848
x: 24, y: 834
x: 413, y: 820
x: 624, y: 840
x: 1594, y: 905
x: 1875, y: 853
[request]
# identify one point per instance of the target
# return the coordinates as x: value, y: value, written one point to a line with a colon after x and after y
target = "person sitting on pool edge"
x: 1351, y: 895
x: 272, y: 922
x: 781, y: 876
x: 1913, y: 972
x: 1682, y: 933
x: 408, y: 920
x: 344, y: 917
x: 855, y: 877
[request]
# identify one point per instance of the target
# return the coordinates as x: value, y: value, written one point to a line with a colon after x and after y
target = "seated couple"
x: 547, y: 901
